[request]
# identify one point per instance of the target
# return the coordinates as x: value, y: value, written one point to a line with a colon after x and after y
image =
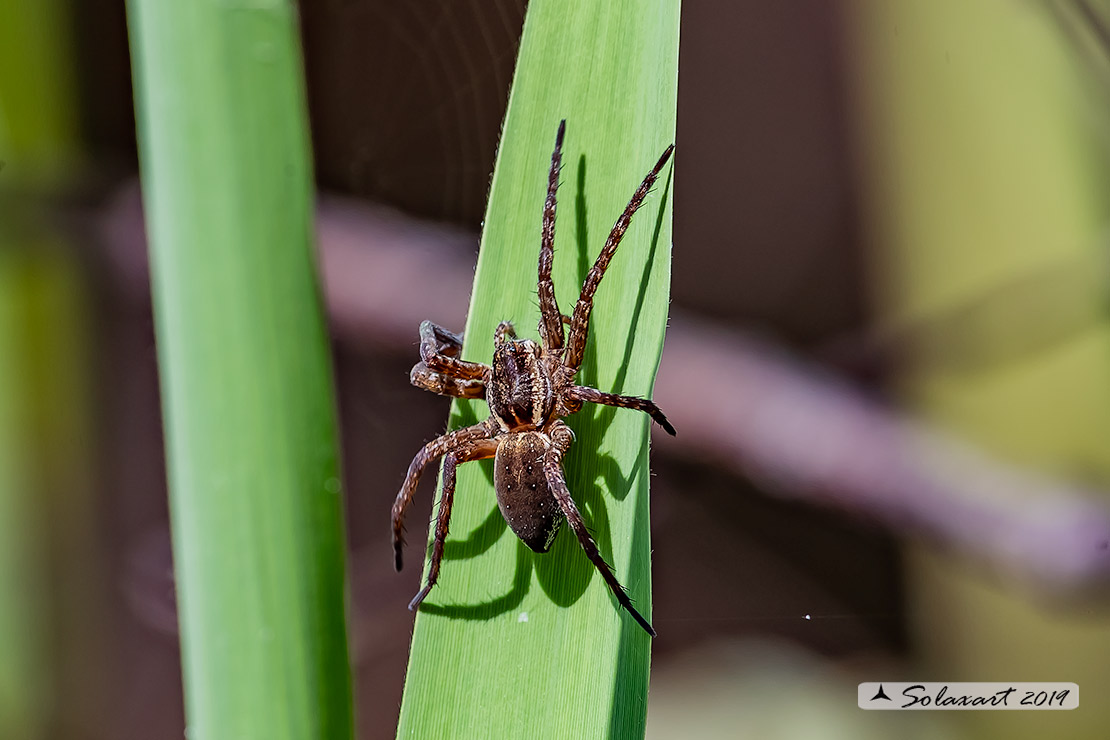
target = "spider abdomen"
x: 523, y: 495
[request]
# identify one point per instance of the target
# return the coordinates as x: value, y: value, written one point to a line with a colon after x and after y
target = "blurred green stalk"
x: 24, y: 611
x: 987, y: 175
x: 510, y: 643
x: 246, y: 375
x: 50, y: 577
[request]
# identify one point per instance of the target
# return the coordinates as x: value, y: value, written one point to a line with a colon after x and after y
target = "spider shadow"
x: 565, y: 577
x: 486, y: 610
x: 603, y: 416
x: 564, y: 573
x: 632, y: 652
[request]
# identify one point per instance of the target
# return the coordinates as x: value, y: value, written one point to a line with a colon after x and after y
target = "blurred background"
x: 889, y: 358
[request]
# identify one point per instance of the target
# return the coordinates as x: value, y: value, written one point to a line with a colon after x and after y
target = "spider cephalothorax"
x: 529, y: 388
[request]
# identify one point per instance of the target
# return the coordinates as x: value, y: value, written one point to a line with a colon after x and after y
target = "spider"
x: 529, y: 388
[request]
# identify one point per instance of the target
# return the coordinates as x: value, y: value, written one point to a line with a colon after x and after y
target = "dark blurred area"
x: 773, y: 241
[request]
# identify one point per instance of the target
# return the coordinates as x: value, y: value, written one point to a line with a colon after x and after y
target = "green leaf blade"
x: 510, y: 643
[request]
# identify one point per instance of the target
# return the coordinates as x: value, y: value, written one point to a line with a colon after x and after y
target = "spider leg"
x: 443, y: 340
x: 450, y: 442
x: 439, y: 350
x: 551, y: 321
x: 475, y: 451
x: 580, y: 321
x: 561, y: 438
x: 445, y: 385
x: 593, y: 395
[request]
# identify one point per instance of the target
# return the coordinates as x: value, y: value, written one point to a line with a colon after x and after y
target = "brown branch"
x: 812, y: 436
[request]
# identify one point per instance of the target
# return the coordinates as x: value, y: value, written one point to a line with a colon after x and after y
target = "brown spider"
x: 529, y: 388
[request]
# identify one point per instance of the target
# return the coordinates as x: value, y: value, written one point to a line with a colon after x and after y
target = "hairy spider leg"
x: 438, y: 350
x: 443, y: 519
x: 450, y: 442
x: 445, y: 385
x: 474, y: 451
x: 580, y: 321
x: 551, y: 321
x: 561, y: 438
x: 443, y: 341
x: 593, y: 395
x: 445, y: 346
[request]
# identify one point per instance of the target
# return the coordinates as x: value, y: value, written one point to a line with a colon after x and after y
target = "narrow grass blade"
x: 246, y: 376
x: 513, y: 644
